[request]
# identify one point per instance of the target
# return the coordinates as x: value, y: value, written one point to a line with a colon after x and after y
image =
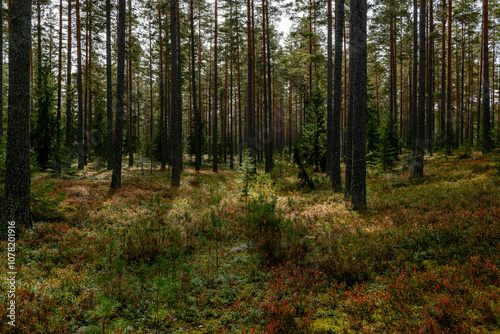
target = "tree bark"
x: 358, y: 97
x: 449, y: 120
x: 120, y: 92
x: 69, y: 112
x: 176, y: 128
x: 420, y: 140
x: 250, y: 91
x: 109, y: 87
x: 487, y: 141
x: 430, y: 88
x: 337, y: 97
x: 81, y: 149
x: 16, y: 205
x: 216, y: 88
x: 197, y: 118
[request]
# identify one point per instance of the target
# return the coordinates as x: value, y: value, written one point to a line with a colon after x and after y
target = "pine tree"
x: 116, y: 177
x: 16, y: 206
x: 358, y: 97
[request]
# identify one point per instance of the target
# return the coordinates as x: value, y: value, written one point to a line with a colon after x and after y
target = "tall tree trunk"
x: 240, y: 126
x: 163, y: 129
x: 264, y: 84
x: 216, y: 87
x: 420, y: 143
x: 449, y: 120
x: 337, y: 97
x: 442, y: 123
x: 231, y: 114
x: 487, y: 141
x: 329, y: 92
x: 120, y: 92
x: 251, y: 140
x: 69, y: 112
x: 1, y: 71
x: 176, y: 129
x: 59, y: 88
x: 130, y: 132
x: 430, y: 88
x: 16, y: 206
x: 358, y: 97
x: 81, y: 149
x: 269, y: 92
x: 109, y: 87
x: 197, y: 118
x: 462, y: 104
x: 414, y: 105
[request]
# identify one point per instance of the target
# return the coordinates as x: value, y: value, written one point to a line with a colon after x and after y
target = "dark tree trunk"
x: 358, y: 77
x: 449, y: 120
x: 120, y: 92
x: 109, y: 87
x: 329, y: 92
x: 269, y: 93
x: 231, y: 110
x: 268, y: 153
x: 337, y: 97
x: 69, y: 112
x: 130, y: 132
x: 176, y: 129
x: 414, y: 105
x: 81, y: 148
x: 216, y: 87
x: 1, y: 71
x: 487, y: 142
x: 161, y: 88
x: 430, y: 88
x: 251, y: 140
x: 442, y: 123
x: 59, y: 88
x: 197, y: 118
x: 16, y: 206
x: 420, y: 143
x: 240, y: 125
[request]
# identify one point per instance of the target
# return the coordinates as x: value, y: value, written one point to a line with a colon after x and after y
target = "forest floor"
x: 227, y: 252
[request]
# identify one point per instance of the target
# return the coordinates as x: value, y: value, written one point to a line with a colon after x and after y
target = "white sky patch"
x: 285, y: 25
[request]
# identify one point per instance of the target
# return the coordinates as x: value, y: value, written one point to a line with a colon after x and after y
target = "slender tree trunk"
x: 163, y: 128
x: 16, y: 206
x: 216, y: 87
x: 1, y: 71
x: 240, y: 125
x: 414, y: 105
x: 176, y: 133
x: 430, y: 87
x: 329, y: 92
x: 264, y: 83
x: 269, y: 92
x: 250, y: 94
x: 197, y: 119
x: 462, y: 104
x: 81, y: 148
x: 130, y: 132
x: 337, y: 97
x: 449, y: 120
x: 59, y: 88
x: 487, y: 141
x: 120, y: 92
x: 480, y: 87
x: 358, y: 98
x: 109, y: 87
x: 420, y: 143
x: 69, y: 112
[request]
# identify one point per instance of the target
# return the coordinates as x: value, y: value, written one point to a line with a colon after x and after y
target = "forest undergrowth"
x: 242, y: 253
